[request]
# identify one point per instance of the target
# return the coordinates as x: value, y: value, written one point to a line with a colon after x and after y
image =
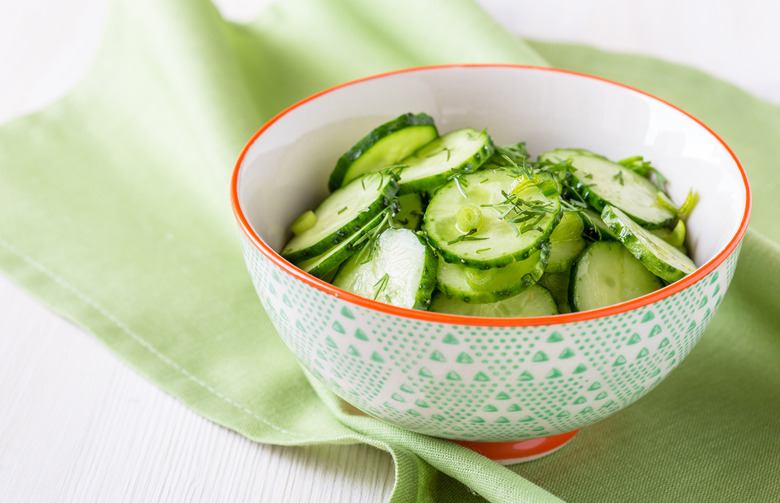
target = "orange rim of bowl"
x: 453, y: 319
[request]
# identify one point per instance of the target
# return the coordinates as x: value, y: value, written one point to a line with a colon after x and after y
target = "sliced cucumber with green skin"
x: 491, y: 218
x: 534, y: 301
x: 490, y: 285
x: 602, y: 182
x: 566, y: 242
x: 411, y: 213
x: 399, y: 269
x: 658, y: 256
x: 321, y: 265
x: 675, y: 237
x: 595, y: 226
x: 607, y: 273
x: 558, y: 285
x: 328, y: 278
x: 461, y: 151
x: 342, y: 214
x: 384, y: 146
x: 303, y: 223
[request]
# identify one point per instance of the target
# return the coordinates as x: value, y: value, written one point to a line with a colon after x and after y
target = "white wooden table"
x: 77, y: 424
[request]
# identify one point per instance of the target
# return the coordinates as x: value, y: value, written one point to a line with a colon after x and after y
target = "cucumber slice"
x: 675, y: 237
x: 411, y: 213
x: 558, y: 285
x: 602, y: 182
x: 399, y: 269
x: 342, y: 214
x: 461, y: 151
x: 658, y: 256
x: 384, y: 146
x: 566, y: 242
x: 605, y: 274
x: 507, y: 217
x: 595, y: 227
x: 534, y: 301
x: 490, y: 285
x: 321, y: 265
x: 303, y: 223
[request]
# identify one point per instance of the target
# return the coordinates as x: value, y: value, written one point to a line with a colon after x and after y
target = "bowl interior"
x: 285, y: 169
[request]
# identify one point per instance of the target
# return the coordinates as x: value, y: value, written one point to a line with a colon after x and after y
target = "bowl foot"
x: 509, y: 453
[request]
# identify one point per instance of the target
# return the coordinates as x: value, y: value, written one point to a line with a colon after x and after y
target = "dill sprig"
x: 559, y: 167
x: 659, y: 179
x: 448, y: 150
x: 570, y: 197
x: 516, y: 153
x: 518, y: 164
x: 458, y: 183
x: 638, y: 164
x: 573, y: 204
x: 396, y: 169
x: 466, y: 237
x: 368, y: 241
x: 455, y: 176
x: 520, y: 214
x: 380, y: 285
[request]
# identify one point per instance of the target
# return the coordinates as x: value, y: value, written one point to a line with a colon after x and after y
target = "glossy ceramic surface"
x: 484, y: 379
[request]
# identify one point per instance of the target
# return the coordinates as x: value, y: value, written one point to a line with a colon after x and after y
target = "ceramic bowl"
x: 489, y: 383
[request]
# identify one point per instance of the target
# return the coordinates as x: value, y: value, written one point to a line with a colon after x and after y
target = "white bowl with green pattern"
x: 488, y: 379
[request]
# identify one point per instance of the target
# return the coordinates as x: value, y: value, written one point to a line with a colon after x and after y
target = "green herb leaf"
x: 466, y: 237
x: 457, y: 181
x: 660, y: 180
x: 638, y: 164
x: 380, y: 285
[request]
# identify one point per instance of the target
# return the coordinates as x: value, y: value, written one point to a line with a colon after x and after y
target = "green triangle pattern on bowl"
x: 484, y: 383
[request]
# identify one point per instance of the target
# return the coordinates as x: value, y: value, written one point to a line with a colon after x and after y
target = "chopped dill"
x: 443, y: 149
x: 659, y: 179
x: 380, y: 285
x: 457, y: 181
x: 644, y: 168
x: 466, y: 237
x: 573, y: 205
x: 368, y: 241
x: 637, y: 164
x: 518, y: 211
x: 516, y: 153
x: 517, y: 164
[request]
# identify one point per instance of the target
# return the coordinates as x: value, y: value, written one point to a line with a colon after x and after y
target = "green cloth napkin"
x: 114, y: 212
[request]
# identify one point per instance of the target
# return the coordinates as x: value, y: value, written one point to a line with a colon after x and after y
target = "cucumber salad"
x: 454, y: 223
